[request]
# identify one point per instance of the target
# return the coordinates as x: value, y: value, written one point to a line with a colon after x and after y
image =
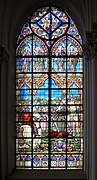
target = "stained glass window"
x: 49, y: 92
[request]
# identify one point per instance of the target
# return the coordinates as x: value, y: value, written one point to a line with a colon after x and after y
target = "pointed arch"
x: 49, y: 92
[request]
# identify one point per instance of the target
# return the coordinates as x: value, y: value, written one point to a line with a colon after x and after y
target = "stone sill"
x: 47, y: 175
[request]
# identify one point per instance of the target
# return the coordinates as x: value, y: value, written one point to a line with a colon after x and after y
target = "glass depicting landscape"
x: 49, y: 92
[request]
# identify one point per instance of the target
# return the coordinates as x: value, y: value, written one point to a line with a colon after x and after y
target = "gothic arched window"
x: 49, y: 92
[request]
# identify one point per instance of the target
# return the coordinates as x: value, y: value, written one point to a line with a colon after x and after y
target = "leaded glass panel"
x: 49, y: 92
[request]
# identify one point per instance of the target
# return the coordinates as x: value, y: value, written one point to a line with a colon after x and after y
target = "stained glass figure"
x: 39, y: 47
x: 73, y: 46
x: 58, y: 64
x: 49, y: 92
x: 50, y: 23
x: 40, y: 64
x: 25, y: 47
x: 23, y: 65
x: 75, y: 65
x: 59, y: 48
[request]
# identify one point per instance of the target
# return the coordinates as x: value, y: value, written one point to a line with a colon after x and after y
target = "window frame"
x: 15, y: 174
x: 64, y: 35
